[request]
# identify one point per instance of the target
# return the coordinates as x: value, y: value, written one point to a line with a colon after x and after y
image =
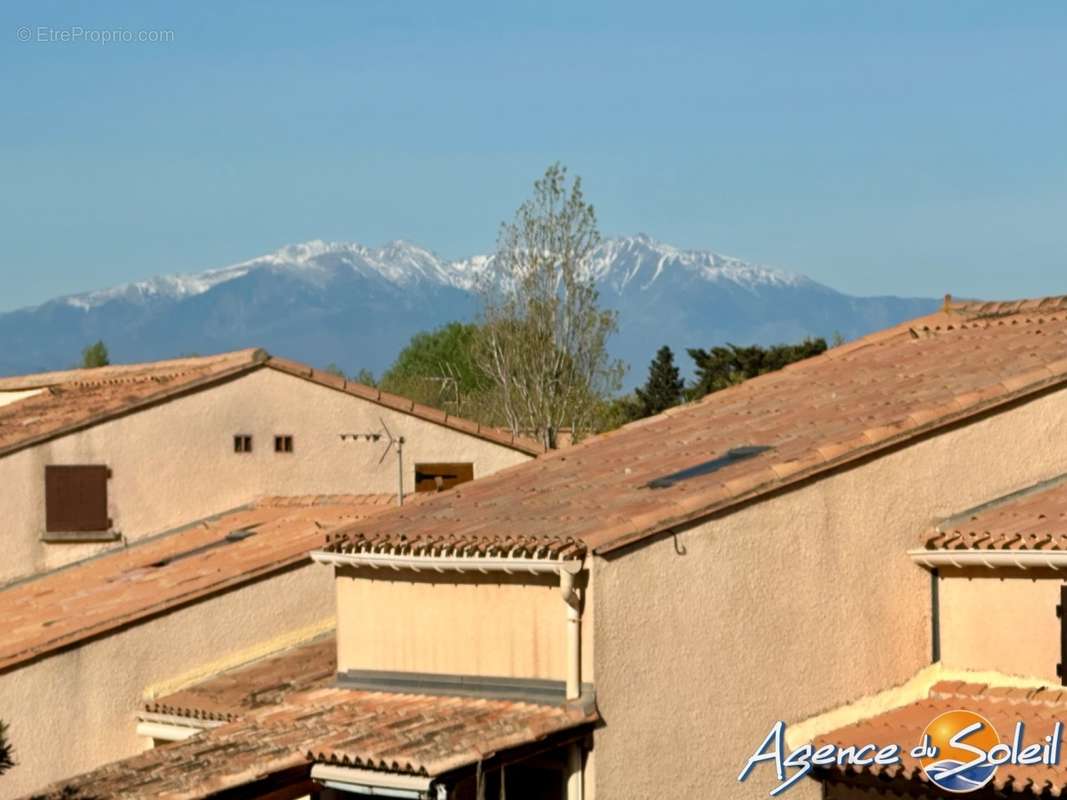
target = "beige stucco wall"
x: 787, y: 608
x: 75, y: 710
x: 455, y: 623
x: 174, y: 463
x: 1001, y: 620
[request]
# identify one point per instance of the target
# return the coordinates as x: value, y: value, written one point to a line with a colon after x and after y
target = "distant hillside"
x: 357, y: 306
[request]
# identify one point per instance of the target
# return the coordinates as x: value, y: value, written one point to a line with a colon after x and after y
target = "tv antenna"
x: 374, y: 436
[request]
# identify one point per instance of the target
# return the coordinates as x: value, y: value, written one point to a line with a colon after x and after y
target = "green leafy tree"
x: 664, y: 387
x: 439, y: 368
x: 616, y: 412
x: 721, y: 367
x: 364, y: 376
x: 95, y: 355
x: 544, y: 336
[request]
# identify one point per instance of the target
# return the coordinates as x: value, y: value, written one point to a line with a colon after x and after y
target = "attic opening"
x: 229, y: 538
x: 729, y: 458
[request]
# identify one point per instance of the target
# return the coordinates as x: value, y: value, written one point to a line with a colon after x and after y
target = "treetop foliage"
x: 720, y: 367
x: 664, y: 388
x: 95, y: 355
x: 543, y: 342
x: 438, y: 365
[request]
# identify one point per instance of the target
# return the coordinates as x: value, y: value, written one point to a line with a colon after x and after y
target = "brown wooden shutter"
x: 438, y: 477
x: 76, y: 498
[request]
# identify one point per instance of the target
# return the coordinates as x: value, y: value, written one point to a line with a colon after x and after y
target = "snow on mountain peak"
x: 616, y: 264
x: 621, y: 261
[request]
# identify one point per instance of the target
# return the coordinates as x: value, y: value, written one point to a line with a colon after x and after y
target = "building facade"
x: 668, y: 592
x: 159, y: 520
x: 94, y: 459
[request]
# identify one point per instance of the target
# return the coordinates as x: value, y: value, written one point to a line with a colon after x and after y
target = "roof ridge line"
x: 404, y: 405
x: 96, y: 374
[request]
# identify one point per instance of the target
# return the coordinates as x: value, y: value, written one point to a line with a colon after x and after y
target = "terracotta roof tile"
x: 854, y: 400
x: 414, y: 734
x: 76, y: 398
x: 1032, y: 520
x: 1038, y: 709
x: 233, y: 694
x: 61, y: 608
x: 43, y: 406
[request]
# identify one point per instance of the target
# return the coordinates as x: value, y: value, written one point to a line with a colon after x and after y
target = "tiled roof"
x: 399, y: 733
x: 61, y: 608
x: 748, y: 440
x: 232, y: 694
x: 1030, y: 521
x: 994, y: 308
x: 427, y: 543
x: 432, y: 735
x: 52, y: 404
x: 68, y: 401
x: 1038, y: 709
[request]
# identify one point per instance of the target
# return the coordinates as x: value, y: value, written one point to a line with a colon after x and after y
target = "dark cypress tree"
x: 664, y: 386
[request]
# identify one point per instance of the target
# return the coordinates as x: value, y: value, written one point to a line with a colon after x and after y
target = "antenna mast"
x: 374, y: 436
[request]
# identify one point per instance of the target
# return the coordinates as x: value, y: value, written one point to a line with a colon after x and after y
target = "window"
x: 283, y: 444
x: 242, y: 443
x: 438, y: 477
x: 76, y: 499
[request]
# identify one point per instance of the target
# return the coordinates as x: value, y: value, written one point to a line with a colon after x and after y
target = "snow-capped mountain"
x: 315, y: 262
x: 618, y: 264
x: 356, y: 306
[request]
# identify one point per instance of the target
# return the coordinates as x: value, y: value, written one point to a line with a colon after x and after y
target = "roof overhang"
x: 446, y: 563
x: 993, y: 559
x: 372, y: 783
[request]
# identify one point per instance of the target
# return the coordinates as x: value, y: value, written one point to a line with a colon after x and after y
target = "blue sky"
x: 880, y: 147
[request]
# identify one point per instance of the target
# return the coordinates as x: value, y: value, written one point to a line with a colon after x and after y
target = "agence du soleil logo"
x: 953, y: 748
x: 959, y: 752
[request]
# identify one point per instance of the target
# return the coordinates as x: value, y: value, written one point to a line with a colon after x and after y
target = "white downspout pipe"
x: 574, y: 635
x: 575, y: 787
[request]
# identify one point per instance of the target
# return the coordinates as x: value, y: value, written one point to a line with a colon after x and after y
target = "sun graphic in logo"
x: 955, y: 768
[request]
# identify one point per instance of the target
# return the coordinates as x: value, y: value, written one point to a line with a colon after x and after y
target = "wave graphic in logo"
x: 945, y: 773
x: 959, y: 742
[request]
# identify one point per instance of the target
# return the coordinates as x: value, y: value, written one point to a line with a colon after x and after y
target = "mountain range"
x: 357, y: 306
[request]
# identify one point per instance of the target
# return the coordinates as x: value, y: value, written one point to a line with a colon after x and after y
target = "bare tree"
x: 544, y: 336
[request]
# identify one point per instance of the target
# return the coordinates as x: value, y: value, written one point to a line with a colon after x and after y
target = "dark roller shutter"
x: 76, y: 498
x: 438, y: 477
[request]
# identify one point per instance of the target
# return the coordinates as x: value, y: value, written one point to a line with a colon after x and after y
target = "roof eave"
x: 367, y: 781
x: 418, y: 563
x: 993, y: 559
